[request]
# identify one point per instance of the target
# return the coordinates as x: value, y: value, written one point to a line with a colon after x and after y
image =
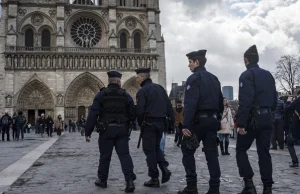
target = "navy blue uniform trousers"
x: 151, y: 137
x: 206, y: 131
x: 262, y: 132
x: 115, y: 137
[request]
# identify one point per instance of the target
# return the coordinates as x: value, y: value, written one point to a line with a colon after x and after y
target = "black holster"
x: 191, y: 142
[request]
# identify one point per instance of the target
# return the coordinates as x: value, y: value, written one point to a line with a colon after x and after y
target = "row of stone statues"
x: 78, y: 62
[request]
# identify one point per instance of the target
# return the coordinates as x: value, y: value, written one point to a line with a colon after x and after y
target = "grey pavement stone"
x: 14, y: 150
x: 70, y: 166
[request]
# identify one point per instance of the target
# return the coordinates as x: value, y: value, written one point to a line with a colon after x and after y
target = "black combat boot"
x: 267, y: 189
x: 129, y: 186
x: 213, y: 190
x: 101, y: 183
x: 222, y: 148
x: 166, y: 174
x: 154, y: 182
x: 190, y: 189
x: 226, y: 148
x: 249, y: 187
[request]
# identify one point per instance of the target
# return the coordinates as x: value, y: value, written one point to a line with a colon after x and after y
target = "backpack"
x: 21, y: 120
x: 5, y: 121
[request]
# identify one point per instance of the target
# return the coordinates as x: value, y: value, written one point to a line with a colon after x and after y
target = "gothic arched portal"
x: 35, y: 98
x: 131, y: 86
x: 81, y: 93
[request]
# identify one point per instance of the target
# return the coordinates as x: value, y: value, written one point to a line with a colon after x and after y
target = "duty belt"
x: 263, y: 110
x: 115, y: 125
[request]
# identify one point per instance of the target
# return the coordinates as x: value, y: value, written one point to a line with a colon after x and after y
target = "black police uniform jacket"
x: 257, y: 88
x: 202, y: 93
x: 95, y: 109
x: 153, y: 100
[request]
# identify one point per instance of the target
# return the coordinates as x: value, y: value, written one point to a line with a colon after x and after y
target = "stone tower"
x: 54, y: 54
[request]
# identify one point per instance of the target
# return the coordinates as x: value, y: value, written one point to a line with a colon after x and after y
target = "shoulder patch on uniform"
x: 241, y: 84
x: 188, y: 87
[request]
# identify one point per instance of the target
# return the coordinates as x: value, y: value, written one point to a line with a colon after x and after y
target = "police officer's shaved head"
x: 142, y: 74
x: 114, y: 77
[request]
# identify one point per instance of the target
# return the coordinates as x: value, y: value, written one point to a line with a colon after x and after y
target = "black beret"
x: 143, y: 70
x: 251, y: 54
x: 199, y: 53
x: 114, y: 74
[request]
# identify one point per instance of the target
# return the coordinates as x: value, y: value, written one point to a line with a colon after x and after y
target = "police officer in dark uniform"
x: 294, y: 133
x: 115, y: 110
x: 153, y: 110
x: 257, y: 99
x: 203, y: 104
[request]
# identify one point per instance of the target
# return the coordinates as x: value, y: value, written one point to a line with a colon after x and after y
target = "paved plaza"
x: 70, y: 166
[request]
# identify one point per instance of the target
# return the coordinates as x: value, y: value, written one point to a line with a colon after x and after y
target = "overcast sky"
x: 227, y: 28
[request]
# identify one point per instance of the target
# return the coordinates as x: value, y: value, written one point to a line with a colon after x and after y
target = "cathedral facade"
x: 54, y: 54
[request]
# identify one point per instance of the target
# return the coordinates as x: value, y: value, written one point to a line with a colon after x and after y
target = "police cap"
x: 114, y: 74
x: 251, y: 54
x: 199, y: 53
x: 143, y: 70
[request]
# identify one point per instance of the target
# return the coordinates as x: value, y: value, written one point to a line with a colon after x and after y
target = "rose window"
x: 86, y: 32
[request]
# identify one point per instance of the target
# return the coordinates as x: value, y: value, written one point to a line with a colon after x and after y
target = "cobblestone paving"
x: 12, y: 151
x: 70, y: 166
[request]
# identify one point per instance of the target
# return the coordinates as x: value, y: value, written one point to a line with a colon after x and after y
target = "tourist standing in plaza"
x: 6, y: 121
x: 179, y: 116
x: 114, y: 108
x: 294, y: 132
x: 20, y: 124
x: 50, y: 123
x: 43, y: 124
x: 278, y: 132
x: 203, y: 104
x: 227, y: 125
x: 59, y: 125
x: 257, y: 98
x: 153, y: 111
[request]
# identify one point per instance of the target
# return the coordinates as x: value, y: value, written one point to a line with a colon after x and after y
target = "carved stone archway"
x: 35, y: 97
x: 81, y: 93
x: 131, y: 86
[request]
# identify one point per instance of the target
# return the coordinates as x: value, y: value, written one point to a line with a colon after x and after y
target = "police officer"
x: 202, y: 104
x: 294, y: 133
x: 153, y: 108
x: 257, y: 98
x: 115, y: 109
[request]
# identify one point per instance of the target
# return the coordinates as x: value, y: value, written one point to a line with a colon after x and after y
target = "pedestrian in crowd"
x: 37, y: 125
x: 163, y: 141
x: 203, y: 103
x: 43, y: 124
x: 294, y: 133
x: 20, y: 124
x: 73, y: 126
x: 70, y: 126
x: 58, y: 125
x: 6, y: 121
x: 227, y: 125
x: 288, y: 115
x: 153, y: 110
x: 178, y: 114
x: 28, y: 126
x: 50, y: 123
x: 81, y: 124
x: 257, y: 98
x: 278, y: 132
x: 115, y: 108
x: 14, y: 127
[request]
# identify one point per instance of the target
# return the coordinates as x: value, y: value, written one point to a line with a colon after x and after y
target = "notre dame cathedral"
x: 54, y: 54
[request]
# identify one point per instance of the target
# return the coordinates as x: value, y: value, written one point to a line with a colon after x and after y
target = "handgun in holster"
x: 100, y: 125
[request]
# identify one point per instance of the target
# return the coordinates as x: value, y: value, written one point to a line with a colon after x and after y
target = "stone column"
x: 113, y: 39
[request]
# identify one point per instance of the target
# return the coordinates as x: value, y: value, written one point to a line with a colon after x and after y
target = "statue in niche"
x: 59, y: 62
x: 102, y: 62
x: 107, y: 64
x: 93, y: 63
x: 76, y: 62
x: 60, y: 100
x: 123, y: 64
x: 66, y: 62
x: 43, y: 61
x: 154, y: 66
x: 38, y: 62
x: 133, y: 63
x: 97, y: 63
x: 48, y: 62
x: 118, y: 62
x: 70, y: 62
x: 22, y: 61
x: 8, y: 61
x: 15, y: 61
x: 149, y: 63
x: 81, y: 62
x: 8, y: 101
x: 53, y: 62
x: 113, y: 62
x: 32, y: 62
x: 87, y: 63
